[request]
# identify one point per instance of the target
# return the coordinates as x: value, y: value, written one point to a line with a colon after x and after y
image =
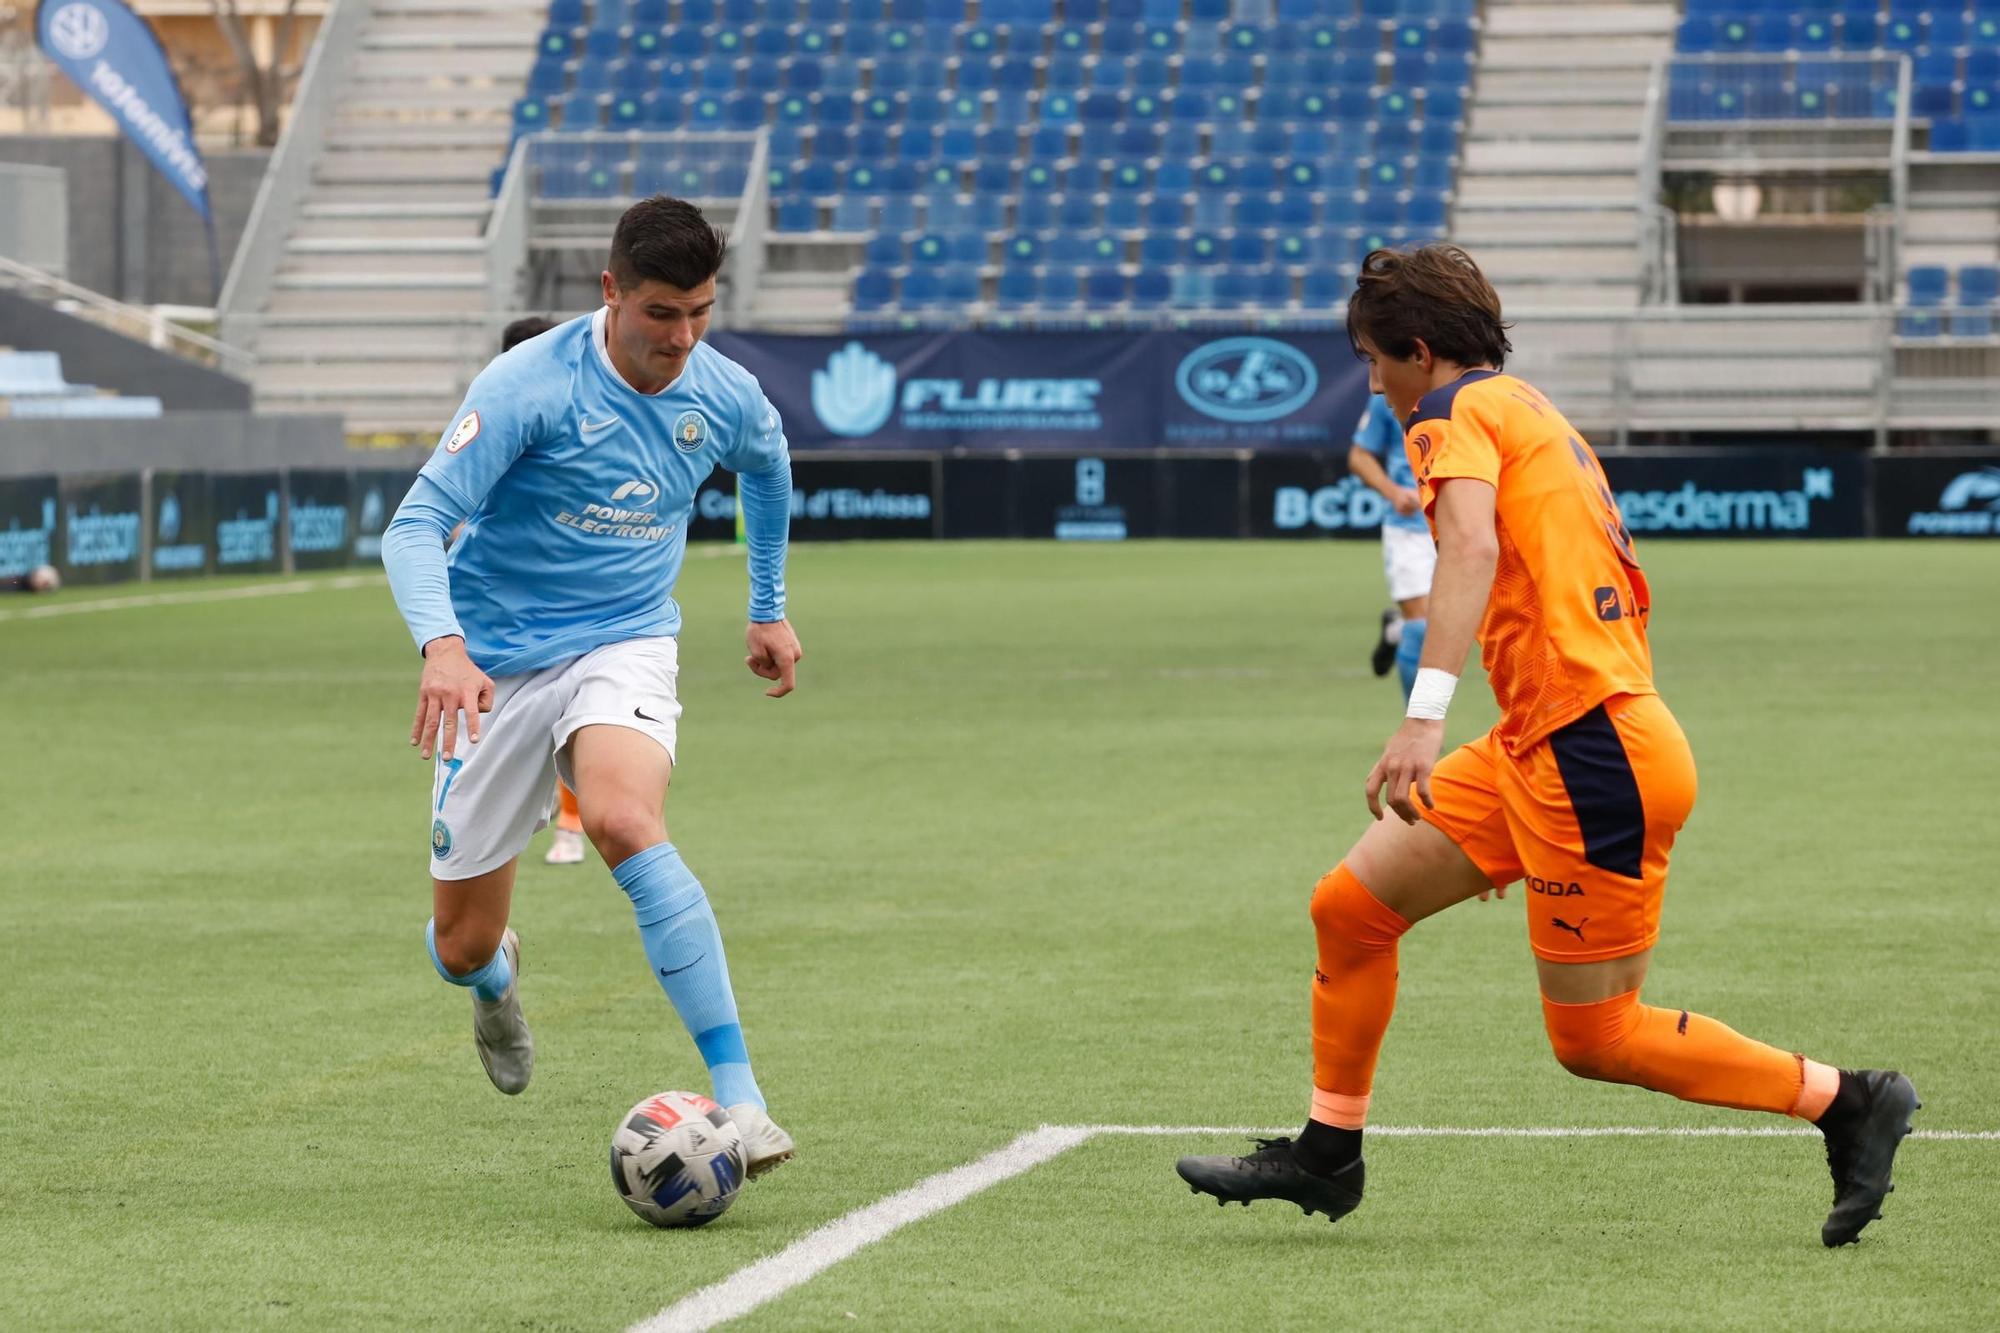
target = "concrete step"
x: 1477, y: 190
x: 1505, y: 265
x: 445, y: 257
x: 1577, y: 53
x: 381, y: 136
x: 421, y: 415
x: 379, y: 115
x: 1528, y: 296
x: 291, y: 296
x: 1945, y: 224
x: 398, y: 193
x: 466, y: 62
x: 364, y: 338
x: 1546, y: 20
x: 450, y: 36
x: 1951, y: 254
x: 1553, y: 157
x: 387, y: 228
x: 360, y: 379
x: 1623, y: 121
x: 1545, y: 226
x: 346, y: 166
x: 469, y: 10
x: 1560, y: 87
x: 427, y: 98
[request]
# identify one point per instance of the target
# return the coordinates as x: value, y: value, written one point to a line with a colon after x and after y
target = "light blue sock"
x: 1409, y: 651
x: 488, y: 983
x: 684, y: 945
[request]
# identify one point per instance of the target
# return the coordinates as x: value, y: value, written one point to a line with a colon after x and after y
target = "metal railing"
x: 151, y: 326
x: 747, y: 235
x: 276, y: 209
x: 507, y: 233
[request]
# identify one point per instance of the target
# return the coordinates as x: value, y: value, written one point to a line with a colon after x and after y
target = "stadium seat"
x: 1017, y: 288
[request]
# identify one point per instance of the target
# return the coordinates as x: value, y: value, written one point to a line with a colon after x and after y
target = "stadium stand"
x: 1035, y: 156
x: 1753, y: 63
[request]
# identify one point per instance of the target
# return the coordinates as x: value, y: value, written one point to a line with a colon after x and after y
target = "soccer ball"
x: 677, y: 1160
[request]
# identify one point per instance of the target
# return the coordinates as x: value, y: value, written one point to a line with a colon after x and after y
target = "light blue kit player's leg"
x: 569, y: 459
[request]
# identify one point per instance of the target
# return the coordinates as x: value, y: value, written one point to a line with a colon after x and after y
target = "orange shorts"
x: 1587, y: 815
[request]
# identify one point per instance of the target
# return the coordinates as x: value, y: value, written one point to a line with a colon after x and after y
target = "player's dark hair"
x: 1435, y: 293
x: 665, y: 240
x: 534, y: 326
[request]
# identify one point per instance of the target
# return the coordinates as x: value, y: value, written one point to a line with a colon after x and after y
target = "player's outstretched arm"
x: 1468, y: 551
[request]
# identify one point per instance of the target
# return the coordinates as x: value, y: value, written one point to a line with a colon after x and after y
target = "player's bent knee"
x: 462, y: 952
x: 1343, y: 908
x: 622, y: 829
x: 1589, y: 1040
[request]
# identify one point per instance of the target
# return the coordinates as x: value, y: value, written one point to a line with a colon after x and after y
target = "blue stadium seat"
x: 582, y: 111
x: 960, y: 287
x: 797, y: 213
x: 1192, y: 289
x: 1103, y: 288
x: 1324, y: 288
x: 1017, y: 288
x: 1271, y: 289
x: 1202, y: 248
x: 1056, y: 288
x: 530, y: 114
x: 1248, y: 249
x: 922, y: 290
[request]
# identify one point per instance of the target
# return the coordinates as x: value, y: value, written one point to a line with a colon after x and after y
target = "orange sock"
x: 1685, y: 1055
x: 1353, y: 994
x: 566, y: 814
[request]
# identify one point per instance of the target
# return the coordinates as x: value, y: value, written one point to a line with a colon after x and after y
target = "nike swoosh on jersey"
x: 588, y: 427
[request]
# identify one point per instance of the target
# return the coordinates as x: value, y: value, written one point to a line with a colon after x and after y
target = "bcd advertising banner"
x: 1081, y: 392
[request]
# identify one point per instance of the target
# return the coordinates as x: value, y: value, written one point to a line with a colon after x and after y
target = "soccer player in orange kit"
x: 1580, y: 789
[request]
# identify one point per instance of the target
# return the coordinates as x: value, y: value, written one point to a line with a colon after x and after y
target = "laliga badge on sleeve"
x: 464, y: 433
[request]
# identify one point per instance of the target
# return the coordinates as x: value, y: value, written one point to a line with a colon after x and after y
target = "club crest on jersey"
x: 690, y: 431
x: 440, y: 839
x: 464, y: 433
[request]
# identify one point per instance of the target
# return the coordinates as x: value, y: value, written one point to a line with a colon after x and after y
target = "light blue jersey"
x: 577, y: 490
x: 1381, y: 434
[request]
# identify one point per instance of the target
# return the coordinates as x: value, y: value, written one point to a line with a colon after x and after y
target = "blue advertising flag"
x: 110, y: 53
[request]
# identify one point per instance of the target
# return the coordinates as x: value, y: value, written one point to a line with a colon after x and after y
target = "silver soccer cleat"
x: 506, y: 1047
x: 764, y: 1144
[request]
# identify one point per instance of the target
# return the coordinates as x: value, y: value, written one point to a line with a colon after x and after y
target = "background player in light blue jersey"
x: 574, y: 462
x: 1408, y: 554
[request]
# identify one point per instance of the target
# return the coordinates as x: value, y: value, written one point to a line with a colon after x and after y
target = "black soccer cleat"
x: 1384, y: 655
x: 1272, y: 1172
x: 1860, y: 1154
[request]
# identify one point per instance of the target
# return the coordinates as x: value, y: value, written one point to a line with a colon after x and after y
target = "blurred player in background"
x: 566, y: 847
x: 1408, y: 553
x: 1580, y: 789
x: 551, y: 630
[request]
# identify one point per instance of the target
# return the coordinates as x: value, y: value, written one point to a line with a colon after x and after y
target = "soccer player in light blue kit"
x: 1409, y: 556
x: 574, y: 462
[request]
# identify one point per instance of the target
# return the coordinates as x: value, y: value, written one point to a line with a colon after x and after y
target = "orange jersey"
x: 1565, y: 627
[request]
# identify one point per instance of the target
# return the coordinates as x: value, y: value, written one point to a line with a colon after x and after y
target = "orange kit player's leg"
x: 567, y: 817
x: 1594, y: 810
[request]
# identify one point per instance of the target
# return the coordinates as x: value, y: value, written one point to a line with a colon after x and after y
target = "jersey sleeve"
x: 500, y: 417
x: 761, y: 457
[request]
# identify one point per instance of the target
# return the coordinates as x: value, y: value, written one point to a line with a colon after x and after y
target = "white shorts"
x: 489, y: 799
x: 1409, y: 558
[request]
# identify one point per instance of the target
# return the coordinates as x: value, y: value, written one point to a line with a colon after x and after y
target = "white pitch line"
x: 1544, y: 1131
x: 812, y: 1254
x: 345, y: 581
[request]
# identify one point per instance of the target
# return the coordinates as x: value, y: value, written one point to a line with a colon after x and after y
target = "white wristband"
x: 1430, y: 694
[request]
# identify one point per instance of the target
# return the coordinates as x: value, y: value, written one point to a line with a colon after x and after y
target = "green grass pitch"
x: 1032, y: 844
